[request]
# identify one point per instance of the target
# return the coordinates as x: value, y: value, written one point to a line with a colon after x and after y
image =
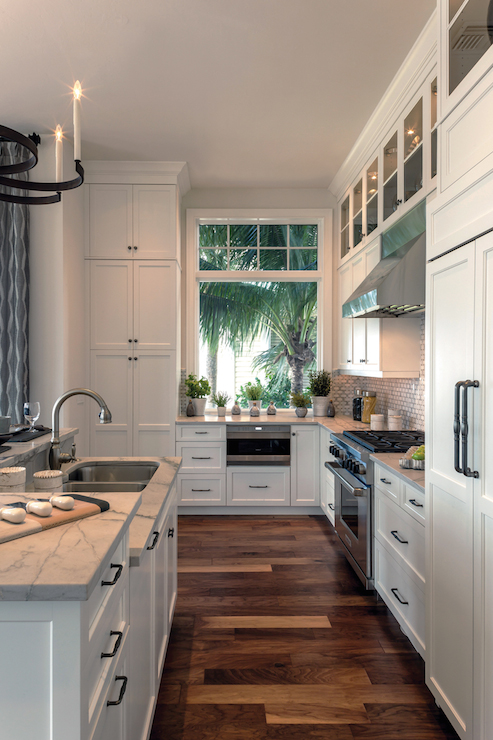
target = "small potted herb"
x: 220, y: 399
x: 300, y: 401
x: 197, y: 390
x: 319, y: 386
x: 254, y: 393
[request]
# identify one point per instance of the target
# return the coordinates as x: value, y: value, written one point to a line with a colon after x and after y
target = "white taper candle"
x: 77, y: 97
x: 59, y: 154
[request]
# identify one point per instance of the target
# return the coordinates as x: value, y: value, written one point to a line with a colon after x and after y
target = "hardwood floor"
x: 274, y: 638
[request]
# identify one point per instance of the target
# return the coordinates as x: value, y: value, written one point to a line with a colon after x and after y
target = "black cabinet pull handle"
x: 201, y: 432
x: 129, y: 358
x: 331, y: 506
x: 387, y: 482
x: 396, y: 594
x: 258, y: 486
x: 136, y: 358
x: 171, y: 532
x: 464, y: 428
x: 395, y: 534
x: 201, y: 458
x: 117, y: 575
x: 415, y: 503
x: 201, y: 490
x: 458, y: 386
x: 117, y: 645
x: 129, y: 340
x: 154, y: 541
x: 122, y: 691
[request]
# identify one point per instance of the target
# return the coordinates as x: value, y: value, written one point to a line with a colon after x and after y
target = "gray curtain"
x: 14, y: 296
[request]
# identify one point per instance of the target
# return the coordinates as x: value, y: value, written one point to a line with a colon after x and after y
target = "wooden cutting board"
x: 33, y: 523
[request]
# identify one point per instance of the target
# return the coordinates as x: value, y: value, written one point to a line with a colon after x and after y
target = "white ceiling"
x: 251, y: 93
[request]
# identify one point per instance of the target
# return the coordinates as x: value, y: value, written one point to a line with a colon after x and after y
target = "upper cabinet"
x: 131, y: 221
x: 399, y: 174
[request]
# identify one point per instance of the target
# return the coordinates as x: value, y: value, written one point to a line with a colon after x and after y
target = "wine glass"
x: 32, y: 411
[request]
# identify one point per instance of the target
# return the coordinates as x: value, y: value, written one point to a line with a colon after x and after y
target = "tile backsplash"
x: 403, y: 394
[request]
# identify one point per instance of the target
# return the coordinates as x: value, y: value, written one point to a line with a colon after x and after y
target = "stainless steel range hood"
x: 396, y: 286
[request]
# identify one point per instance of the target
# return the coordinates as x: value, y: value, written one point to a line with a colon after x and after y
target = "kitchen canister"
x: 12, y: 480
x: 369, y: 403
x: 377, y: 422
x: 48, y: 481
x: 395, y: 423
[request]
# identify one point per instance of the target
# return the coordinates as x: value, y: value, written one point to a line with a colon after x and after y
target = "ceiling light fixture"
x: 31, y: 144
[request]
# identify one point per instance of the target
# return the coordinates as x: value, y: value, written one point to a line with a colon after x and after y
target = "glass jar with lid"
x: 369, y: 404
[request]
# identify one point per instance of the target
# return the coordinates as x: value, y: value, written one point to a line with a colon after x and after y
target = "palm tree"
x: 239, y: 312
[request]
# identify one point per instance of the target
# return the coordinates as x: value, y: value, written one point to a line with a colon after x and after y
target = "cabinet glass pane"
x: 371, y: 180
x: 413, y: 128
x: 344, y: 241
x: 357, y: 228
x: 434, y: 152
x: 470, y: 36
x: 390, y: 197
x: 358, y: 197
x: 413, y: 174
x: 345, y: 213
x: 372, y: 215
x: 390, y: 158
x: 434, y: 95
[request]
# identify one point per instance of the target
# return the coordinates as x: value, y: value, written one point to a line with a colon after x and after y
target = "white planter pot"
x: 259, y: 404
x: 221, y: 410
x: 320, y: 405
x: 199, y: 406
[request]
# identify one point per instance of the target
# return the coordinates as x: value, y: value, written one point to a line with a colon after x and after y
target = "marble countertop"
x: 66, y: 562
x: 390, y: 460
x: 22, y: 452
x: 154, y: 497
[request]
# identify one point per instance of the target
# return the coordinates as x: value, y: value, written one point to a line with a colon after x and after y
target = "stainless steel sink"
x: 78, y: 486
x: 114, y: 472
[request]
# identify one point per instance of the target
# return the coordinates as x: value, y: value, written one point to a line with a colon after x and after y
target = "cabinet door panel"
x: 110, y: 221
x: 154, y: 403
x: 171, y: 532
x: 111, y: 377
x: 346, y: 325
x: 154, y: 221
x: 141, y: 692
x: 111, y: 304
x: 160, y: 605
x: 155, y: 304
x: 305, y: 484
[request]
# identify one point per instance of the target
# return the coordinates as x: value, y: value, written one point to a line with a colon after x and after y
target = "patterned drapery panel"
x: 14, y: 297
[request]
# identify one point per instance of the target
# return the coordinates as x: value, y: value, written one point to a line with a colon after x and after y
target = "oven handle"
x: 347, y: 479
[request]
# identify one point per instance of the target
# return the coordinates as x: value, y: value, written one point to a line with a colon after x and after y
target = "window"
x: 256, y: 297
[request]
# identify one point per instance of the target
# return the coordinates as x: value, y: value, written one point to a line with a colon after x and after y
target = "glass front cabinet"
x: 396, y: 177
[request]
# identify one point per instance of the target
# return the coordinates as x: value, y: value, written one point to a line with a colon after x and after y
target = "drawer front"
x: 414, y: 503
x: 198, y: 457
x: 403, y: 597
x: 330, y: 497
x: 103, y: 596
x: 258, y: 487
x: 197, y: 490
x: 104, y: 651
x: 388, y: 482
x: 201, y: 432
x: 111, y: 719
x: 401, y: 534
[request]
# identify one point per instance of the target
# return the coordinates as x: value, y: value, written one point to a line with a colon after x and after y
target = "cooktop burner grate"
x: 386, y: 441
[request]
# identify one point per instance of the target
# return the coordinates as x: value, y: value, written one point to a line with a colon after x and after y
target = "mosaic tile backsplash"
x: 404, y: 394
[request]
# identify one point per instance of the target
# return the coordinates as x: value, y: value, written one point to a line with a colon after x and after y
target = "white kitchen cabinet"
x: 202, y: 457
x: 140, y: 390
x: 327, y: 493
x: 380, y: 348
x: 201, y: 490
x: 460, y: 507
x: 399, y: 554
x: 133, y: 304
x: 258, y: 486
x: 305, y: 487
x: 131, y: 221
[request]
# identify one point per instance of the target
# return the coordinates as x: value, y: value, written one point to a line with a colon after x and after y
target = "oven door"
x: 353, y: 520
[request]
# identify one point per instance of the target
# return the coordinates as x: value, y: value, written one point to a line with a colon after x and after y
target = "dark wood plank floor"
x: 274, y: 638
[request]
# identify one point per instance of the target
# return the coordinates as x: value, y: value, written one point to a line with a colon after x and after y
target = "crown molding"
x: 413, y: 72
x: 138, y: 173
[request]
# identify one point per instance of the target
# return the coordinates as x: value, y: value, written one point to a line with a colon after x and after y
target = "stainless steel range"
x: 353, y: 482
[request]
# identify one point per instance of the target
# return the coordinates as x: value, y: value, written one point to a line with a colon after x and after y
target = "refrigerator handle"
x: 464, y: 428
x: 457, y: 466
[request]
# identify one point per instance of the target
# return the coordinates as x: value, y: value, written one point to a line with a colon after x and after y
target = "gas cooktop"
x: 386, y: 441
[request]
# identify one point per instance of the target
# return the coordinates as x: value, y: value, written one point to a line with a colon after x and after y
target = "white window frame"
x: 322, y: 276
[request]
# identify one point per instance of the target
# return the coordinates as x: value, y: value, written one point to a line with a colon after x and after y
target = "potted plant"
x: 254, y: 393
x: 319, y: 386
x: 197, y: 390
x: 220, y: 399
x: 300, y: 401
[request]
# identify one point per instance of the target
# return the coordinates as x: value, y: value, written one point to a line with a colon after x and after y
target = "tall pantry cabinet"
x: 133, y: 275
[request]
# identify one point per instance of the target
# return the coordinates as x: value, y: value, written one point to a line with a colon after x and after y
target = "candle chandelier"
x: 30, y: 144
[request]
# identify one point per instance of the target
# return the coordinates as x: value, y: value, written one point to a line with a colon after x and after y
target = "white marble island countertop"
x: 66, y: 562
